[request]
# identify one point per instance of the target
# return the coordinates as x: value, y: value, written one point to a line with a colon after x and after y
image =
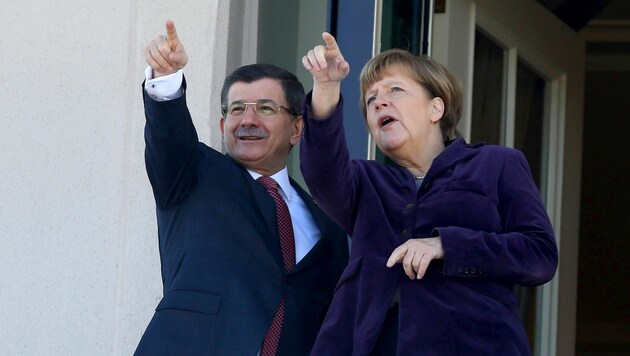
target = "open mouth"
x: 387, y: 120
x: 250, y: 138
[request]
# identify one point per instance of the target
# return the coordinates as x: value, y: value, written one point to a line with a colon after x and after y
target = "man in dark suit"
x: 230, y: 286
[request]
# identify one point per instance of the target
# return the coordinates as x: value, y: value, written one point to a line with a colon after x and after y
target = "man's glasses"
x: 262, y: 107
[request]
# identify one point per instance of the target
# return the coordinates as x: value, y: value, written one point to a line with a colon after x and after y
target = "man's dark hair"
x: 293, y: 89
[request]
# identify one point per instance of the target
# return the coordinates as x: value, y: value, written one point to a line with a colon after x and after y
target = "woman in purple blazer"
x: 441, y: 236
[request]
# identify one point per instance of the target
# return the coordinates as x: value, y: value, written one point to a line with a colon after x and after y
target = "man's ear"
x: 437, y: 109
x: 222, y: 123
x: 297, y: 129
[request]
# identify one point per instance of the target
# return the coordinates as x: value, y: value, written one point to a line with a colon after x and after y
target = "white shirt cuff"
x: 168, y: 87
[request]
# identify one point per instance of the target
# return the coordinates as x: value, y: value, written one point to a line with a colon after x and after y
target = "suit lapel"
x: 323, y: 224
x: 266, y: 207
x: 321, y: 220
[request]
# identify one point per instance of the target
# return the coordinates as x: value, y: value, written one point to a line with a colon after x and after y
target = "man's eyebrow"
x: 263, y: 100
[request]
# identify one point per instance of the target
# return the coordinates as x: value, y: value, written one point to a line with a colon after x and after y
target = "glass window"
x: 529, y: 118
x: 488, y: 77
x: 404, y: 25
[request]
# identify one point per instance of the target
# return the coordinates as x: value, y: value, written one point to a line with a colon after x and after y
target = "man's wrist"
x: 164, y: 88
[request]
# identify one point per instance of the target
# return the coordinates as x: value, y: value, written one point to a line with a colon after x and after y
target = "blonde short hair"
x: 427, y: 72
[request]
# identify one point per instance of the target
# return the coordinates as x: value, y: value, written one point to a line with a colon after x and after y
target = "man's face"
x: 256, y: 139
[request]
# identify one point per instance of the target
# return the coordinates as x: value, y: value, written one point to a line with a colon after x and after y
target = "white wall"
x: 78, y: 244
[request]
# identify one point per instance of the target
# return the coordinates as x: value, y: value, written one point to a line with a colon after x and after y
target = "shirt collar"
x: 282, y: 177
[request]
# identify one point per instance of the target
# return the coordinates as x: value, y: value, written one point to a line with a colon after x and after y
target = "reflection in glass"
x: 487, y: 98
x: 405, y: 25
x: 529, y: 118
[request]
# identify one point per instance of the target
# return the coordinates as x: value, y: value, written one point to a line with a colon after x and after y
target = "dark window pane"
x: 529, y: 118
x: 404, y: 25
x: 487, y: 105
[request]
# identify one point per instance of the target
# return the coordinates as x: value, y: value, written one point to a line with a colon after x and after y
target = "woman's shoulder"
x: 496, y: 151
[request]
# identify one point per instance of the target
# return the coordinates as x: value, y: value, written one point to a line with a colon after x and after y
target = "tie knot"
x: 269, y: 183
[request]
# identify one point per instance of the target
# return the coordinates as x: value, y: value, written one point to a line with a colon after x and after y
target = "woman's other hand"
x: 416, y: 254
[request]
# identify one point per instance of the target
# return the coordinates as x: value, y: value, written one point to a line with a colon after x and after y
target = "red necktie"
x: 287, y: 246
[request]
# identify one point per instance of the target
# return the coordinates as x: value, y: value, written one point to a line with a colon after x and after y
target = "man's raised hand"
x: 166, y: 54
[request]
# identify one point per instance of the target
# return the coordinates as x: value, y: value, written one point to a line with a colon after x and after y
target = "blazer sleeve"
x: 524, y: 251
x: 171, y: 150
x: 326, y: 166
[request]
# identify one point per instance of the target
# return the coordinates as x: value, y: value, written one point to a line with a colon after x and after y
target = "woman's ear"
x: 437, y: 109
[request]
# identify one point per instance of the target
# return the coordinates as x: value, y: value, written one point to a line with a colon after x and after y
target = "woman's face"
x: 401, y: 114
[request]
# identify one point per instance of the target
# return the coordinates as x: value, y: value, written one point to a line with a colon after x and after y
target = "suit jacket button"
x: 460, y: 270
x: 473, y: 270
x: 409, y: 206
x: 466, y: 270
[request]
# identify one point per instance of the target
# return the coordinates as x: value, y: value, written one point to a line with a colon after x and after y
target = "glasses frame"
x: 270, y: 102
